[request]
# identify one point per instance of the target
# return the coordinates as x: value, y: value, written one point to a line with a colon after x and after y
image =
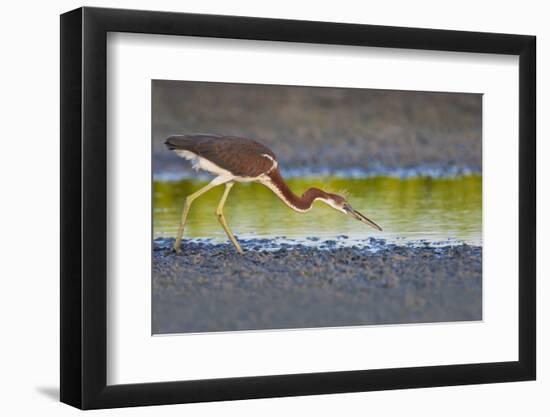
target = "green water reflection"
x: 407, y: 209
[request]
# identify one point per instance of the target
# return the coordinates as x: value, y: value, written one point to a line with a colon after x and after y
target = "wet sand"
x: 210, y: 287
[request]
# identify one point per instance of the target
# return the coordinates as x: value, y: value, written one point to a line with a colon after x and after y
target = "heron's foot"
x: 235, y: 243
x: 177, y: 249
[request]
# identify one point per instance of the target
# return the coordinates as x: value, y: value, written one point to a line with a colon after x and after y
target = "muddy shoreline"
x: 209, y: 287
x: 326, y: 131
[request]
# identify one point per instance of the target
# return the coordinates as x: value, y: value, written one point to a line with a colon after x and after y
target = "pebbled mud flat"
x: 274, y: 285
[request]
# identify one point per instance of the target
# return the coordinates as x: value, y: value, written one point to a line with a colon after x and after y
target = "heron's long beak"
x: 356, y: 215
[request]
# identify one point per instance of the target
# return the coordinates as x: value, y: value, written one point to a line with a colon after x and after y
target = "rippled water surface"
x: 413, y: 209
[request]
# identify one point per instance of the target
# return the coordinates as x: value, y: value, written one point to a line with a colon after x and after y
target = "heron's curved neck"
x: 301, y: 204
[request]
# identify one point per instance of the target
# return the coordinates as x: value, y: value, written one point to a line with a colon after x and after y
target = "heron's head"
x: 340, y: 203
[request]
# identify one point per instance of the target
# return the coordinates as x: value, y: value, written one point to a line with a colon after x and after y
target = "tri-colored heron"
x: 236, y: 159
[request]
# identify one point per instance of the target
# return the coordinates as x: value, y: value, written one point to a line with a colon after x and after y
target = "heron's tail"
x: 177, y: 142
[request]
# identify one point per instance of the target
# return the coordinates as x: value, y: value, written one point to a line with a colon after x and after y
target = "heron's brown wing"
x: 240, y: 156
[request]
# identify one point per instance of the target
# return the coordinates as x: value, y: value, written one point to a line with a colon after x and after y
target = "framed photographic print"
x: 258, y: 207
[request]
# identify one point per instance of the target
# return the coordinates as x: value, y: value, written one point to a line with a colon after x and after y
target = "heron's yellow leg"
x: 188, y: 201
x: 221, y: 217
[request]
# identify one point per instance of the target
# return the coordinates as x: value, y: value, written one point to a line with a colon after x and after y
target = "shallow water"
x: 409, y: 210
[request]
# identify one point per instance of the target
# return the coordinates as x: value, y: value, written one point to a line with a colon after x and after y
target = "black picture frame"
x: 84, y: 207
